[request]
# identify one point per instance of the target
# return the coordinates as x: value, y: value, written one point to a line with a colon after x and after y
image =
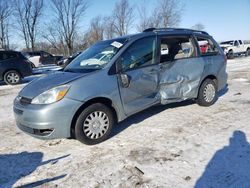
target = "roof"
x: 175, y: 30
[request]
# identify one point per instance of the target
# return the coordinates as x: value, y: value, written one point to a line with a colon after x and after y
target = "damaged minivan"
x: 116, y: 78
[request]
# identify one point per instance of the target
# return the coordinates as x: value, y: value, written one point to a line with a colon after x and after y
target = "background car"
x: 39, y: 58
x: 13, y: 67
x: 65, y: 61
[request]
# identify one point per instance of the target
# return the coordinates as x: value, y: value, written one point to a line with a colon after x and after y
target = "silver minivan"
x: 116, y: 78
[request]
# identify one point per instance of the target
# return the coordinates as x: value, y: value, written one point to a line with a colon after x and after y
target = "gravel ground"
x: 177, y: 145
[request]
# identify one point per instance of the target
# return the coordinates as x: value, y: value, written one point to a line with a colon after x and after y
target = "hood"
x: 47, y: 82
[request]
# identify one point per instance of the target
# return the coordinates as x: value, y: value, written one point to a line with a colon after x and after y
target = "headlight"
x: 52, y: 95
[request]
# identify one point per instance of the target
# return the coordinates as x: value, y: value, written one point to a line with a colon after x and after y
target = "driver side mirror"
x: 124, y: 78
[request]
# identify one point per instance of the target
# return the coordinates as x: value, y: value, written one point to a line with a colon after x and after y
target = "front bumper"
x: 46, y: 121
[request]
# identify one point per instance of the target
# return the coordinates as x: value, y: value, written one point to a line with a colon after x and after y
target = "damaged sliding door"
x: 181, y: 69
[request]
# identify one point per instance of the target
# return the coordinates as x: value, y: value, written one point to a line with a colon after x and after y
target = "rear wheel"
x: 247, y: 52
x: 12, y: 77
x: 230, y: 54
x: 207, y: 93
x: 94, y: 124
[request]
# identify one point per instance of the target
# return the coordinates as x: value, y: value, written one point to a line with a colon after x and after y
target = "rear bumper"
x: 46, y: 121
x: 222, y: 79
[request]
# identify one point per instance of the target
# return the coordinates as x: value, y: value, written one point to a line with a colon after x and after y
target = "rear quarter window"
x: 7, y: 55
x: 206, y: 46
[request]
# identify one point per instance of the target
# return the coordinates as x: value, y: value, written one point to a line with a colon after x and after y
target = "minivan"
x: 116, y: 78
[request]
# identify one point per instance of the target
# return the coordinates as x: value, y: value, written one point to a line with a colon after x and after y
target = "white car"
x: 235, y: 47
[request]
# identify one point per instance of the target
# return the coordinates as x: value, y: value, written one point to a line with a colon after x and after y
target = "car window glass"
x: 140, y: 53
x: 11, y: 55
x: 207, y: 47
x: 240, y: 42
x: 236, y: 43
x: 174, y: 48
x: 46, y: 54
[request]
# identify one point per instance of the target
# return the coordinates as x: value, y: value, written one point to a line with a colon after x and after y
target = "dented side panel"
x: 180, y: 79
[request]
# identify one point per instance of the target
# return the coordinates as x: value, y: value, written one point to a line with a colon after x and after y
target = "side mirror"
x: 125, y: 80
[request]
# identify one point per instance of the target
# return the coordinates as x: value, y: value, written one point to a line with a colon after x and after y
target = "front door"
x: 138, y: 79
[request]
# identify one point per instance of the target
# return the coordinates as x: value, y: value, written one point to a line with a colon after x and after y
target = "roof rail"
x: 174, y: 29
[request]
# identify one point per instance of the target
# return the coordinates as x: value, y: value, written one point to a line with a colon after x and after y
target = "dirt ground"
x: 178, y: 145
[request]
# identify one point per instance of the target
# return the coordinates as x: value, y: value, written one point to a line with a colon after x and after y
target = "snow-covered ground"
x: 178, y: 145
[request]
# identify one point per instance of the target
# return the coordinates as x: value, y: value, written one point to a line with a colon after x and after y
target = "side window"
x: 174, y: 48
x: 140, y: 53
x: 207, y: 47
x: 240, y: 42
x: 46, y: 54
x: 4, y: 56
x: 236, y: 43
x: 11, y: 55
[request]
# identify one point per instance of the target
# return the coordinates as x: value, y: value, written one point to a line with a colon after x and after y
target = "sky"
x: 223, y: 19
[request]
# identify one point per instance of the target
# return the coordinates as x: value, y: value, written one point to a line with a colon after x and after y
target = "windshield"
x: 231, y: 42
x: 96, y: 57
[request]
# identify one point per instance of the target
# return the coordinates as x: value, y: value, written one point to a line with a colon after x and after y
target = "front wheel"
x: 207, y: 93
x: 12, y: 77
x: 94, y: 124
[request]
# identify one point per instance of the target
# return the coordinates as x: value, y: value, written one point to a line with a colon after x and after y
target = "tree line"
x: 62, y: 33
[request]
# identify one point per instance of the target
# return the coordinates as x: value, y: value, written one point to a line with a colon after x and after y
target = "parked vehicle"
x: 91, y: 94
x: 235, y: 47
x: 13, y: 67
x: 39, y: 58
x: 65, y: 61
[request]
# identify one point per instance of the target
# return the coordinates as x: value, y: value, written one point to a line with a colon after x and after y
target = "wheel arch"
x: 11, y: 69
x: 210, y: 76
x: 106, y: 101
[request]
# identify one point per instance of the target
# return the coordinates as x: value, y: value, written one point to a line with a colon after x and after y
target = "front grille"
x: 17, y: 111
x: 25, y: 100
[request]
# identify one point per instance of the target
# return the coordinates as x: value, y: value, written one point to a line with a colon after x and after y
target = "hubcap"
x: 209, y: 93
x: 96, y: 125
x: 13, y: 78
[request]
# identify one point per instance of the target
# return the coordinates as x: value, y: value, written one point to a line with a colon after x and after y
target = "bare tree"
x: 198, y: 26
x: 27, y: 14
x: 166, y: 14
x: 5, y: 13
x: 144, y: 18
x: 123, y: 17
x: 95, y: 32
x: 68, y: 13
x: 109, y: 27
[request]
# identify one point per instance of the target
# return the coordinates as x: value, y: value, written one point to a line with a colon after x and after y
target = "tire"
x: 94, y: 124
x: 230, y: 54
x: 207, y: 95
x: 247, y: 52
x: 12, y: 77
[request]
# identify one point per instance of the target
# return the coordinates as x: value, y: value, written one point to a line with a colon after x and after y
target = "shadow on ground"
x: 230, y: 166
x: 141, y: 116
x: 15, y: 166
